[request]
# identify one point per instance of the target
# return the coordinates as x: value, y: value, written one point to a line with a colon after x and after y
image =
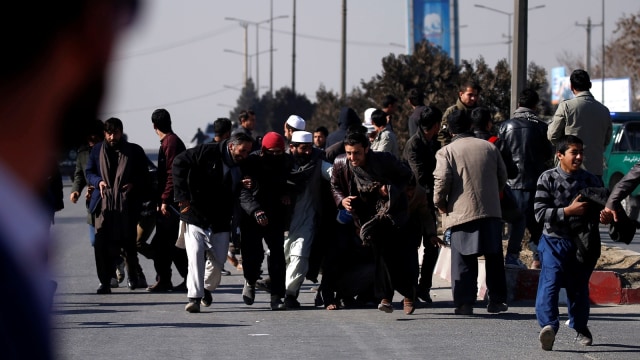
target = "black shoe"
x: 584, y: 337
x: 276, y: 303
x: 225, y: 272
x: 142, y: 280
x: 264, y: 285
x: 160, y: 286
x: 290, y: 302
x: 207, y: 299
x: 497, y: 307
x: 193, y: 306
x: 103, y: 290
x: 465, y: 309
x: 424, y: 296
x: 182, y: 287
x: 132, y: 283
x: 248, y: 293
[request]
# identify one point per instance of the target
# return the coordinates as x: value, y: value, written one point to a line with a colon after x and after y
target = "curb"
x: 605, y: 287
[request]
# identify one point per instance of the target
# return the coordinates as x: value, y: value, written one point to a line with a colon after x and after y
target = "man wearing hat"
x: 293, y: 123
x: 306, y: 177
x: 264, y: 200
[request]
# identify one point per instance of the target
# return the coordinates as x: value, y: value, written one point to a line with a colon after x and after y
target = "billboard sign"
x: 430, y: 20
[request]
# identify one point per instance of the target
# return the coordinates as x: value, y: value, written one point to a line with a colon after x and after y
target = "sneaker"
x: 290, y: 302
x: 225, y: 272
x: 207, y: 299
x: 264, y: 285
x: 584, y: 337
x: 248, y: 293
x: 114, y: 283
x: 497, y: 307
x: 120, y: 272
x: 193, y: 306
x: 512, y: 261
x: 385, y: 306
x: 547, y: 337
x: 276, y: 303
x: 464, y: 309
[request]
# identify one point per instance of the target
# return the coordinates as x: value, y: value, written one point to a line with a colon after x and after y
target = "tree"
x: 248, y: 99
x: 286, y: 103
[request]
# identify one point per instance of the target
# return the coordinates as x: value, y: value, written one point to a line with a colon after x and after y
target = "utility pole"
x: 588, y: 27
x: 271, y: 50
x: 519, y: 65
x: 343, y: 67
x: 293, y: 51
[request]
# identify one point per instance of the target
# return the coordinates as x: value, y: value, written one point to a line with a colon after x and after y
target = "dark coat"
x: 198, y: 177
x: 420, y: 153
x: 385, y: 166
x: 138, y: 176
x: 526, y: 137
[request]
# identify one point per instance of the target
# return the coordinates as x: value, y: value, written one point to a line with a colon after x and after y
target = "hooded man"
x: 347, y: 119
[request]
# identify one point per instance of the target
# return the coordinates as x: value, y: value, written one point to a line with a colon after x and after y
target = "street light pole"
x: 509, y: 14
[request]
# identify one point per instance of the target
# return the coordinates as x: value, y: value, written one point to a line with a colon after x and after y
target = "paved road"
x: 139, y: 325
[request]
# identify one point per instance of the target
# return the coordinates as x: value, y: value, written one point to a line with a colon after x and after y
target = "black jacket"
x: 505, y: 152
x: 198, y: 176
x: 420, y: 153
x: 526, y: 136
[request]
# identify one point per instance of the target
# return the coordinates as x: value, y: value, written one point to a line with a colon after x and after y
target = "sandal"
x: 333, y: 307
x: 408, y: 306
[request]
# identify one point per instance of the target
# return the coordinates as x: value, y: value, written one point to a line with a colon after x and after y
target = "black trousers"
x: 394, y: 258
x: 164, y: 249
x: 252, y: 251
x: 107, y: 250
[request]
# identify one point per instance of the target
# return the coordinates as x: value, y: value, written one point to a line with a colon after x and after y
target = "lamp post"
x: 250, y: 56
x: 509, y: 14
x: 245, y: 24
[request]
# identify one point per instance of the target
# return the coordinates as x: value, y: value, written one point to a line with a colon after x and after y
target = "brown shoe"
x: 233, y: 260
x: 408, y: 306
x: 385, y: 306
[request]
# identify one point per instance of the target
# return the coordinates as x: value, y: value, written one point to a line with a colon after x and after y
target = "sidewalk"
x: 605, y: 287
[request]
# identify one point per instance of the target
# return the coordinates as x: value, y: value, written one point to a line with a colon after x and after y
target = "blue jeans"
x: 560, y: 268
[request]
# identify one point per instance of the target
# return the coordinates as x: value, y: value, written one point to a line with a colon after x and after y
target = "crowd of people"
x: 339, y: 208
x: 350, y: 206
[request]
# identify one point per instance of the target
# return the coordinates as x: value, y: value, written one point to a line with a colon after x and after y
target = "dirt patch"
x: 624, y: 262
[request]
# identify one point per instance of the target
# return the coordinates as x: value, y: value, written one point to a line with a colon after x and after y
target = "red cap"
x: 273, y: 140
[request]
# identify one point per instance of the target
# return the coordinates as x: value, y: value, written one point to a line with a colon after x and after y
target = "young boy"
x: 557, y: 204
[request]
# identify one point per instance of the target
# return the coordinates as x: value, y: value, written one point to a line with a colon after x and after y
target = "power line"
x: 177, y: 44
x: 181, y: 101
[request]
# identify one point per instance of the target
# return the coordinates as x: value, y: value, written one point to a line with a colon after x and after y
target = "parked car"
x: 621, y: 154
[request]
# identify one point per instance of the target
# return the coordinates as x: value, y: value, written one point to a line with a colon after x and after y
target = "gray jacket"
x: 586, y: 118
x: 468, y: 177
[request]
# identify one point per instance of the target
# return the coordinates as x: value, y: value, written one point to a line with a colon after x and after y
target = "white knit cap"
x: 296, y: 122
x: 302, y: 137
x: 367, y: 115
